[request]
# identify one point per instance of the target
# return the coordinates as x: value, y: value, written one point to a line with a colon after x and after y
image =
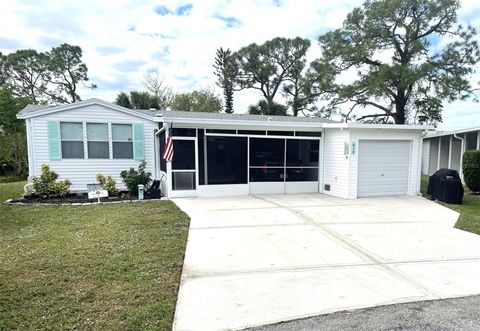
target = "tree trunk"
x: 400, y: 104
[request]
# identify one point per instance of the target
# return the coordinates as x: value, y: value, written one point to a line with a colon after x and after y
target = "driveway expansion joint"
x: 354, y: 248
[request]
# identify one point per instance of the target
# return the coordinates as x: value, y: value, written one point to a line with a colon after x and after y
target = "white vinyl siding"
x: 336, y: 164
x: 83, y: 171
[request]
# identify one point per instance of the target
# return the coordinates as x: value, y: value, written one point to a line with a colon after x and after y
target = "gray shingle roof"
x: 33, y: 108
x: 167, y: 114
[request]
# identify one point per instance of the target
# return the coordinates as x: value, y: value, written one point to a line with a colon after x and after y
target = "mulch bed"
x: 69, y: 199
x: 60, y: 201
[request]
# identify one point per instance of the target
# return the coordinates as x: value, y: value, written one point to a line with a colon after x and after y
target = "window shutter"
x: 138, y: 144
x: 54, y: 142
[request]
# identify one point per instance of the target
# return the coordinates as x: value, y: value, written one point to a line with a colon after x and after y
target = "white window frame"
x: 121, y: 141
x: 62, y: 140
x: 85, y: 140
x: 88, y: 140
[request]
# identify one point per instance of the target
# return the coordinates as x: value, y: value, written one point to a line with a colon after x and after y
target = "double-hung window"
x: 122, y: 142
x: 71, y: 135
x: 97, y: 139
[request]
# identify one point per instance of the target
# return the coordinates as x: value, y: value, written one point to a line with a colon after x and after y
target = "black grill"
x: 445, y: 185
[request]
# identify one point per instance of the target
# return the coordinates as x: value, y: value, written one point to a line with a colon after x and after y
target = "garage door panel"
x: 395, y: 160
x: 383, y: 167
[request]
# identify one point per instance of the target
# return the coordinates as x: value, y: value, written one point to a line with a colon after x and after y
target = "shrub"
x: 132, y: 178
x: 107, y: 183
x: 471, y: 170
x: 47, y: 186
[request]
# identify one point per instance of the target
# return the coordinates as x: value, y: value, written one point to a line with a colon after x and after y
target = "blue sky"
x: 122, y: 40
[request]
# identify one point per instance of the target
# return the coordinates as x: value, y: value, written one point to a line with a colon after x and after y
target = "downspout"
x: 461, y: 154
x: 156, y: 152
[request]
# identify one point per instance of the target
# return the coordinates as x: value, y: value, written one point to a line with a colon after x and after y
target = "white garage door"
x: 383, y: 167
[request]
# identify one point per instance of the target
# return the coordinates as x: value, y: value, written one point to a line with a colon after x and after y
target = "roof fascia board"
x: 85, y: 103
x: 376, y: 126
x: 237, y: 122
x: 449, y: 133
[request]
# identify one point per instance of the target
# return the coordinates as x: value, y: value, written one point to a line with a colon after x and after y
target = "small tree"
x: 47, y: 186
x: 132, y: 178
x: 108, y: 184
x: 226, y: 72
x: 471, y: 170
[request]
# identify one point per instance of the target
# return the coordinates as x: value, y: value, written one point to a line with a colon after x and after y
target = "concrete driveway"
x: 258, y: 260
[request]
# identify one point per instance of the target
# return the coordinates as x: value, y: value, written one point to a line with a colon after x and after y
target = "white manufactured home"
x: 218, y: 154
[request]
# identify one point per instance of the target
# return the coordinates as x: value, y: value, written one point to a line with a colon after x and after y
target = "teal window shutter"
x: 138, y: 144
x: 54, y: 141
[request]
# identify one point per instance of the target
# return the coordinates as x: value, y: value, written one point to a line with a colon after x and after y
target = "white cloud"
x: 123, y: 39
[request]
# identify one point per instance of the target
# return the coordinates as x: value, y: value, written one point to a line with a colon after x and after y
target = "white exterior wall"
x: 380, y: 134
x: 336, y: 164
x: 83, y: 171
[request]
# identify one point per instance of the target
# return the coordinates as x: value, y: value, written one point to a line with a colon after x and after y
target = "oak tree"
x: 403, y: 57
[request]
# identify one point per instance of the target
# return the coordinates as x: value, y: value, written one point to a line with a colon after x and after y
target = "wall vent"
x: 326, y: 187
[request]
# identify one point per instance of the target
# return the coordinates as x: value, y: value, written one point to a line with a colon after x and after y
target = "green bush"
x: 132, y: 178
x: 47, y: 186
x: 471, y: 170
x: 107, y: 183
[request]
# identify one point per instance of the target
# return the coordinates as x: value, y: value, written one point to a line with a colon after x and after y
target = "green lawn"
x: 469, y: 211
x: 89, y: 267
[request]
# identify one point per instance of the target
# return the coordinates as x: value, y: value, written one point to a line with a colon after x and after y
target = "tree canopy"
x: 268, y: 68
x: 263, y: 108
x: 13, y: 146
x: 204, y: 100
x: 45, y: 77
x: 407, y: 57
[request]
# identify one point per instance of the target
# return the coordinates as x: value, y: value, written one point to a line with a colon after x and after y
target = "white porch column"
x: 478, y: 140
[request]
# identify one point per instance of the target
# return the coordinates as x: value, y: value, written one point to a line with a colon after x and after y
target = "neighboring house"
x: 445, y: 149
x: 219, y: 154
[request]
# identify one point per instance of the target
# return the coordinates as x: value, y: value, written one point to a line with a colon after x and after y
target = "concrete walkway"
x: 259, y: 260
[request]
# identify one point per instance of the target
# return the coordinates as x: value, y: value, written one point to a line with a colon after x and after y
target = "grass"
x: 9, y: 179
x: 469, y: 219
x: 89, y: 267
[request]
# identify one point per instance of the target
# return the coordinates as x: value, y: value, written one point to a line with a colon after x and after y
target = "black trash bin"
x: 445, y: 185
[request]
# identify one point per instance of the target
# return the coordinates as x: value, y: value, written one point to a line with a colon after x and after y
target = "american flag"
x: 168, y: 150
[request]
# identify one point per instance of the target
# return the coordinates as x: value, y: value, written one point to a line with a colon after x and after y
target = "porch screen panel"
x: 183, y: 165
x: 226, y: 160
x: 302, y: 160
x: 183, y: 155
x: 471, y: 138
x: 267, y: 160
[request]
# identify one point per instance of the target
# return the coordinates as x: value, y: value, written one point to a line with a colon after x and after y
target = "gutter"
x: 236, y: 122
